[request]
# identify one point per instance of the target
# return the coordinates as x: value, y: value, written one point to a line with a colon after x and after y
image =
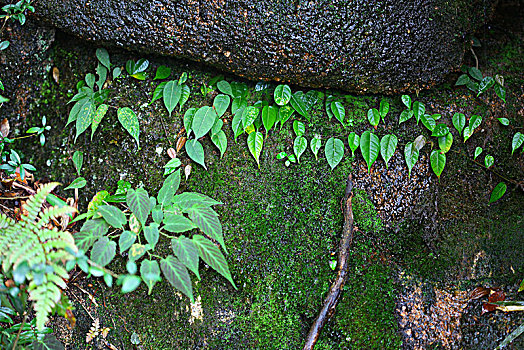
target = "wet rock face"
x: 363, y: 46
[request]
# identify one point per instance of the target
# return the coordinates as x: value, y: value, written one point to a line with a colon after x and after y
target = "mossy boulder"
x: 361, y: 46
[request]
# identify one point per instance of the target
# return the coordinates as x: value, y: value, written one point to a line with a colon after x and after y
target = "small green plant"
x: 137, y: 69
x: 474, y: 80
x: 290, y: 158
x: 15, y: 163
x: 140, y: 227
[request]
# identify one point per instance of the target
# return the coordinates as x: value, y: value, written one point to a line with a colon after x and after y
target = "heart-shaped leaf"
x: 203, y: 121
x: 282, y: 94
x: 478, y: 151
x: 255, y: 142
x: 172, y: 93
x: 299, y: 146
x: 440, y: 130
x: 438, y: 162
x: 150, y: 273
x: 221, y: 103
x: 354, y: 142
x: 411, y: 155
x: 489, y: 161
x: 459, y: 121
x: 269, y: 117
x: 518, y: 140
x: 388, y: 146
x: 334, y: 151
x: 383, y: 109
x: 298, y: 104
x: 249, y: 116
x: 103, y: 251
x: 184, y: 95
x: 129, y: 121
x: 315, y: 145
x: 373, y: 117
x: 284, y: 113
x: 225, y: 88
x: 369, y: 147
x: 498, y: 192
x: 162, y: 72
x: 195, y: 151
x: 445, y: 142
x: 338, y: 111
x: 103, y: 57
x: 220, y: 140
x: 299, y: 128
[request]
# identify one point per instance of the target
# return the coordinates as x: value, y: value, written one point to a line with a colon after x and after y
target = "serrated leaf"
x: 478, y: 151
x: 315, y: 145
x: 406, y: 100
x: 78, y: 161
x: 282, y: 94
x: 298, y: 104
x: 517, y: 141
x: 445, y: 142
x: 126, y: 240
x: 210, y: 253
x: 338, y: 111
x: 129, y: 121
x: 91, y: 231
x: 139, y: 203
x: 177, y: 223
x: 369, y: 147
x: 225, y: 88
x: 171, y: 95
x: 255, y: 142
x: 207, y: 220
x: 411, y: 155
x: 249, y: 116
x: 220, y: 140
x: 299, y: 128
x: 158, y: 93
x: 269, y: 117
x: 112, y: 215
x: 203, y: 121
x: 79, y: 182
x: 299, y: 146
x: 150, y: 273
x: 498, y: 192
x: 489, y: 161
x: 103, y: 251
x: 284, y: 113
x: 176, y: 273
x: 186, y: 251
x: 388, y: 146
x: 162, y: 72
x: 187, y: 200
x: 195, y: 151
x: 169, y: 188
x: 440, y: 130
x: 221, y: 103
x: 151, y: 234
x: 438, y: 162
x: 334, y: 151
x: 84, y: 117
x: 100, y: 113
x: 354, y: 142
x: 405, y: 116
x: 418, y: 110
x: 103, y: 57
x: 373, y: 117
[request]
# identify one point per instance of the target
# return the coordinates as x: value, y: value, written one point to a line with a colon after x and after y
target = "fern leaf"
x: 34, y: 203
x: 5, y: 221
x: 53, y: 213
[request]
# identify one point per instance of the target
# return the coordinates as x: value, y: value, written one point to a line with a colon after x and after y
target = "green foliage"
x: 388, y: 146
x: 282, y: 95
x: 474, y: 81
x: 35, y: 255
x: 189, y: 215
x: 411, y: 154
x: 498, y: 192
x: 255, y: 142
x: 137, y: 69
x: 334, y: 151
x: 14, y: 163
x: 369, y: 147
x: 438, y: 162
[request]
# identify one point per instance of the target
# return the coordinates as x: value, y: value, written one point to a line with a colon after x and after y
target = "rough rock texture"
x: 364, y: 46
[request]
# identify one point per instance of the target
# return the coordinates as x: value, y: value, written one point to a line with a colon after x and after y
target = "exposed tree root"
x: 331, y: 301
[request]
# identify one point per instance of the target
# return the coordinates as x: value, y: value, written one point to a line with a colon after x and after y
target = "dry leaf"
x: 56, y: 74
x: 93, y: 332
x: 134, y: 224
x: 187, y: 170
x: 4, y: 127
x: 71, y: 318
x: 495, y: 295
x: 180, y: 143
x: 478, y: 293
x: 105, y: 331
x: 171, y: 152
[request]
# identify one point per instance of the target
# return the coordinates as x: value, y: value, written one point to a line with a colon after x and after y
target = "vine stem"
x: 24, y: 320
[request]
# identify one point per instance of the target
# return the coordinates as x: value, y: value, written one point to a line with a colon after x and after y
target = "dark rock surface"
x: 362, y: 46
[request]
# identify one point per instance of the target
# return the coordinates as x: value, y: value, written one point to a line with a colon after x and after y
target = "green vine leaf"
x: 100, y: 113
x: 184, y: 95
x: 221, y: 103
x: 338, y: 111
x: 78, y: 106
x: 195, y: 151
x: 220, y: 140
x: 518, y: 140
x: 383, y: 109
x: 299, y: 128
x: 354, y: 142
x: 369, y: 147
x: 418, y: 110
x: 445, y: 142
x: 113, y: 216
x: 282, y: 94
x: 459, y: 122
x: 255, y: 142
x: 388, y: 146
x: 406, y: 100
x: 212, y: 256
x: 498, y: 192
x: 438, y: 162
x: 334, y: 152
x: 77, y: 183
x: 169, y: 188
x: 158, y: 93
x: 172, y: 93
x: 489, y: 161
x: 299, y: 146
x: 139, y: 203
x: 126, y: 240
x: 103, y: 251
x: 411, y: 155
x: 225, y: 88
x: 186, y: 251
x: 78, y: 161
x: 177, y: 223
x: 85, y: 117
x: 177, y: 275
x: 269, y: 117
x: 405, y: 116
x: 152, y: 234
x: 298, y: 104
x: 485, y: 84
x: 236, y: 123
x: 103, y: 57
x: 188, y: 120
x: 203, y: 121
x: 440, y: 130
x: 503, y: 121
x: 249, y: 116
x: 373, y: 117
x: 162, y: 72
x: 478, y: 151
x: 150, y: 273
x: 207, y: 220
x: 501, y: 92
x: 428, y: 121
x: 315, y: 145
x: 284, y: 113
x: 129, y: 121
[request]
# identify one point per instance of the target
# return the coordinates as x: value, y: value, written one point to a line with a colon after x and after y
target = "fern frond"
x: 31, y: 241
x: 34, y: 203
x: 53, y: 213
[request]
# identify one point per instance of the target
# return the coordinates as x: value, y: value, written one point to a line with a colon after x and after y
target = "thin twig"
x: 18, y: 197
x: 476, y: 58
